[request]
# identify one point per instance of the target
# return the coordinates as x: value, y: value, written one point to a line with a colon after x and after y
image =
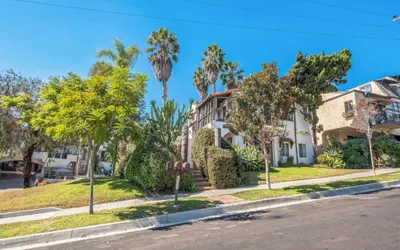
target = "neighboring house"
x: 337, y: 117
x: 61, y: 162
x: 212, y: 112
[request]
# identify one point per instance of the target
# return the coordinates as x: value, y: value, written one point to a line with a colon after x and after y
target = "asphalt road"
x: 370, y: 221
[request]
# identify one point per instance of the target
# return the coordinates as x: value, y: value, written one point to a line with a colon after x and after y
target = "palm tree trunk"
x: 214, y: 87
x: 164, y: 91
x: 203, y: 94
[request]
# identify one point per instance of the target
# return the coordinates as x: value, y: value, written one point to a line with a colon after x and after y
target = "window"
x: 290, y: 117
x: 348, y: 106
x: 302, y: 150
x: 366, y: 88
x: 64, y: 156
x: 285, y: 149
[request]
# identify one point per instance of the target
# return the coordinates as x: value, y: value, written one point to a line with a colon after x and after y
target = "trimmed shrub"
x: 356, y: 153
x: 203, y: 138
x: 332, y: 157
x: 221, y: 168
x: 146, y: 168
x: 249, y: 158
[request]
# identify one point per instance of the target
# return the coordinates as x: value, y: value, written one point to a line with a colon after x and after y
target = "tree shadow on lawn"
x: 162, y: 208
x: 304, y: 189
x: 111, y: 182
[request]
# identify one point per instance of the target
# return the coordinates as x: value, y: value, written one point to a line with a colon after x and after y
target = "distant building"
x: 59, y: 163
x: 336, y: 114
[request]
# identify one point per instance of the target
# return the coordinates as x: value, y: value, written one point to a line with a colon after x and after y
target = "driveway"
x: 11, y: 180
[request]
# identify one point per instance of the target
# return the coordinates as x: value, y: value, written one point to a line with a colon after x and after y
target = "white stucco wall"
x: 303, y: 136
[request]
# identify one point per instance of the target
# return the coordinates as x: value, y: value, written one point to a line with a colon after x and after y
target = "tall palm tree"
x: 213, y: 62
x: 123, y: 57
x: 231, y: 77
x: 164, y: 48
x: 201, y: 82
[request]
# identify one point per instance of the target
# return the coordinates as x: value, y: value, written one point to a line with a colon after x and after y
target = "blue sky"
x: 43, y: 41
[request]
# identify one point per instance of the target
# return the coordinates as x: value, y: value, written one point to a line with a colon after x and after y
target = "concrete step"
x: 202, y: 184
x: 199, y: 189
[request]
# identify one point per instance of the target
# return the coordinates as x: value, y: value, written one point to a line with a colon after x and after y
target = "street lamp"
x: 396, y: 18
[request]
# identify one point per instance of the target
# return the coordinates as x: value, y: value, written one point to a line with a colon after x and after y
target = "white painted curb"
x: 77, y: 234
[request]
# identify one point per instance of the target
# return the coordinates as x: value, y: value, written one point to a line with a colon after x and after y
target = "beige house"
x: 337, y: 117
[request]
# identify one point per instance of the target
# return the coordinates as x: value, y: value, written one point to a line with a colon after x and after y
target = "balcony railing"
x: 388, y: 116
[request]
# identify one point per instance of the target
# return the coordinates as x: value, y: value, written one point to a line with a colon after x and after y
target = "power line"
x: 347, y: 8
x: 289, y: 15
x: 203, y: 22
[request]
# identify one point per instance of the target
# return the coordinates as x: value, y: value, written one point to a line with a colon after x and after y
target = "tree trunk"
x: 214, y: 88
x: 203, y: 95
x: 267, y: 176
x: 164, y: 92
x: 315, y: 140
x: 87, y: 162
x: 372, y: 156
x: 27, y: 158
x: 92, y: 162
x: 114, y: 159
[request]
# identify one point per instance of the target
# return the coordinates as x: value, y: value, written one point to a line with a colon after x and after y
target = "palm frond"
x: 106, y: 53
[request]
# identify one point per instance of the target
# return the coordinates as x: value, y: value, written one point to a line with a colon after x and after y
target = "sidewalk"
x: 210, y: 193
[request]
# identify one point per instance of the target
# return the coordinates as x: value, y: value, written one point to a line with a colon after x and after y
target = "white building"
x: 211, y: 113
x: 61, y: 162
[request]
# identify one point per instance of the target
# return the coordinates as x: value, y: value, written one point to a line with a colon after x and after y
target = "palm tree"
x: 213, y: 61
x: 163, y: 50
x: 200, y: 81
x: 123, y: 57
x: 231, y: 76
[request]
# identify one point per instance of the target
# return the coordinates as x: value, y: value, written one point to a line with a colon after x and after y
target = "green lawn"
x: 68, y: 194
x: 283, y: 174
x: 100, y: 217
x: 265, y: 194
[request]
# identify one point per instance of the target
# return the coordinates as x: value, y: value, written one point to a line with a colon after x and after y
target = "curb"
x: 82, y: 233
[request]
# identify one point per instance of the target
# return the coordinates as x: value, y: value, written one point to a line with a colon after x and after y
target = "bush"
x: 203, y: 138
x: 146, y: 167
x: 249, y: 158
x: 221, y: 168
x: 332, y: 157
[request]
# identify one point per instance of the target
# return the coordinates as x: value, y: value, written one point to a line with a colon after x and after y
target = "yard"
x: 265, y: 194
x: 295, y: 173
x: 68, y: 194
x: 100, y: 217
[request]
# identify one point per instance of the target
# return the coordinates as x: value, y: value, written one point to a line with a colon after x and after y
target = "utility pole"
x: 396, y: 18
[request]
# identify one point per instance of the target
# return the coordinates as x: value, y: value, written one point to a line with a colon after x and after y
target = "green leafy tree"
x: 100, y: 68
x: 317, y: 74
x: 231, y: 77
x: 164, y: 49
x: 213, y: 61
x: 263, y: 100
x: 18, y: 107
x: 96, y: 109
x: 201, y: 82
x: 123, y: 57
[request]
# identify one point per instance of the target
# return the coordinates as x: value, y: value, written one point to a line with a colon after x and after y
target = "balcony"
x: 388, y: 118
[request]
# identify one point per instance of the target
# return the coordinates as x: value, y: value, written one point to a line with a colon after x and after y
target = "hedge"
x: 146, y: 167
x: 221, y: 168
x: 203, y: 138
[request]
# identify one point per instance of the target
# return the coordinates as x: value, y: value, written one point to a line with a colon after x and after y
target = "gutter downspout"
x: 295, y: 135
